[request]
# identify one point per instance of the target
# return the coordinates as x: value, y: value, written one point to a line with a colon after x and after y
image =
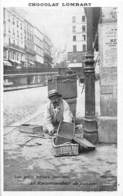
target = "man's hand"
x: 51, y: 132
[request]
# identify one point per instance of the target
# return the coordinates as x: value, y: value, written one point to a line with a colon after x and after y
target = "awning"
x: 18, y: 62
x: 31, y: 63
x: 75, y: 65
x: 7, y: 63
x: 12, y: 60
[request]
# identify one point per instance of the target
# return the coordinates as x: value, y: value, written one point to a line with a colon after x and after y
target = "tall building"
x: 13, y: 50
x: 29, y: 44
x: 78, y: 39
x: 47, y: 51
x: 38, y: 47
x: 79, y: 31
x: 24, y: 44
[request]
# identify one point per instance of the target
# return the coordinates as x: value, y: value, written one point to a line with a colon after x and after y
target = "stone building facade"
x: 78, y: 36
x: 47, y: 51
x: 107, y: 31
x: 14, y: 43
x: 102, y: 38
x: 23, y: 43
x: 29, y: 44
x: 38, y: 47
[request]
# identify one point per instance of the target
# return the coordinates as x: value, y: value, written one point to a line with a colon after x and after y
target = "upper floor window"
x: 74, y: 29
x: 13, y: 21
x: 20, y: 25
x: 17, y: 34
x: 84, y: 47
x: 17, y: 24
x: 74, y: 38
x: 83, y: 28
x: 83, y: 18
x: 74, y: 19
x: 9, y: 41
x: 84, y: 37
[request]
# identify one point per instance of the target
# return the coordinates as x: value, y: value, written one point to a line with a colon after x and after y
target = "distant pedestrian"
x: 57, y: 110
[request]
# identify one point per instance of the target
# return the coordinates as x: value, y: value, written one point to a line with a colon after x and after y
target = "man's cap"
x: 53, y: 92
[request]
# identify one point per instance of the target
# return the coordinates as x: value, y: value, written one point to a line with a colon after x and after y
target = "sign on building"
x: 108, y: 44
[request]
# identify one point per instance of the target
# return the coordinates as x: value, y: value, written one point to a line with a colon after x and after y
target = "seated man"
x: 57, y: 110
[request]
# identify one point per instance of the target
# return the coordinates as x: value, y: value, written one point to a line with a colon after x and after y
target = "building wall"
x: 47, y: 51
x: 78, y: 38
x: 29, y: 44
x: 13, y: 37
x: 23, y: 43
x: 38, y: 46
x: 108, y: 77
x: 79, y: 32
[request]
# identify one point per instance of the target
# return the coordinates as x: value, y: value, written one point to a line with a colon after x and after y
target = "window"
x: 74, y: 48
x: 13, y: 55
x: 84, y: 37
x: 20, y: 25
x: 74, y: 19
x: 74, y: 38
x: 9, y: 41
x: 74, y: 29
x: 13, y: 21
x: 17, y: 24
x: 4, y: 29
x: 84, y: 47
x: 13, y: 32
x: 83, y: 28
x: 4, y: 55
x: 4, y: 15
x: 83, y: 18
x: 17, y: 57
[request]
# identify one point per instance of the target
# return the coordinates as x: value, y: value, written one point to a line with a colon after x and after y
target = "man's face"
x: 55, y: 100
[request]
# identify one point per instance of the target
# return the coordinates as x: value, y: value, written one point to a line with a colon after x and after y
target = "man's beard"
x: 56, y: 104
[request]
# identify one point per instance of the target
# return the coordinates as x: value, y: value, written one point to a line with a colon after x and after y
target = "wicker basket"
x: 65, y: 149
x: 66, y: 130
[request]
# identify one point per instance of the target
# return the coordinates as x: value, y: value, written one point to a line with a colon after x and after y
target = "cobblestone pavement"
x: 30, y: 165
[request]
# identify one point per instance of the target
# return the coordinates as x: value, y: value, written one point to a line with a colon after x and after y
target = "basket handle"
x: 58, y: 127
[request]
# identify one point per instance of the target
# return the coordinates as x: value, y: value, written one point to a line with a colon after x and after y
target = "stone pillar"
x: 89, y: 87
x: 90, y: 124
